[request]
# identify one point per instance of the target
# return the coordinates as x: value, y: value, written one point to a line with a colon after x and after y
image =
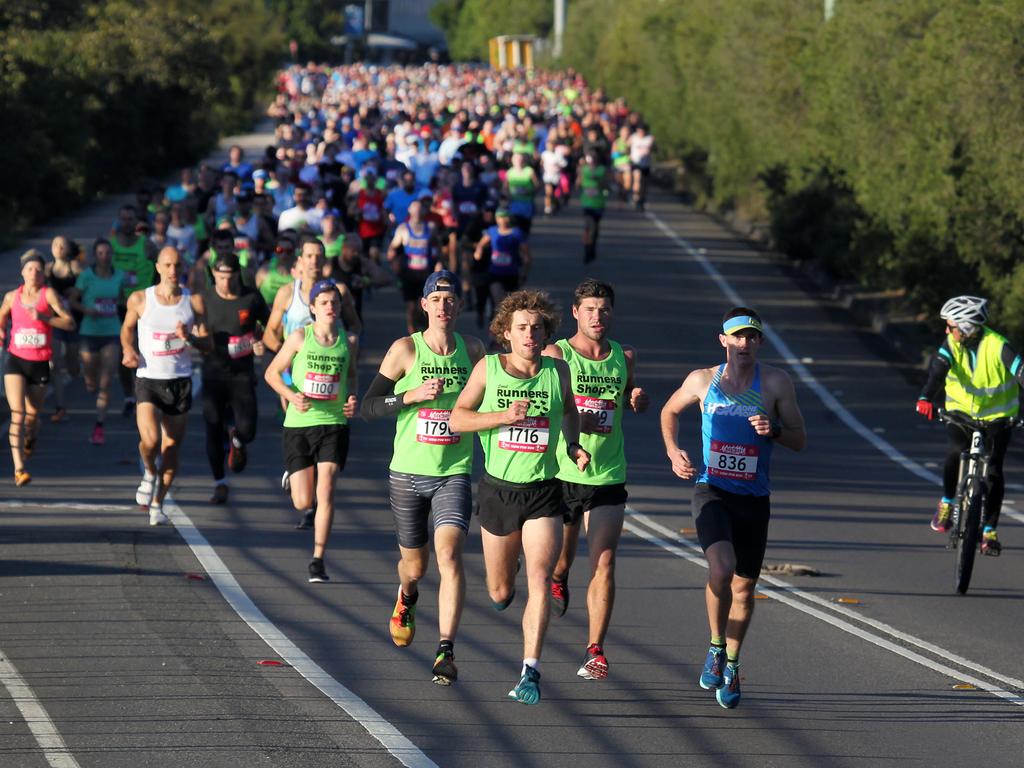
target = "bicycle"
x: 971, y: 492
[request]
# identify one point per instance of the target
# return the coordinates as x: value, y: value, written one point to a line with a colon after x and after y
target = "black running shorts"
x: 578, y: 498
x: 737, y: 518
x: 173, y: 397
x: 504, y: 507
x: 307, y: 446
x: 35, y: 372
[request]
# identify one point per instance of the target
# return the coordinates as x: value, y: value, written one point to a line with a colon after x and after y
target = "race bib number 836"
x: 733, y: 461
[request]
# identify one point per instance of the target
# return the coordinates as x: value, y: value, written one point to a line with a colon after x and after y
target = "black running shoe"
x: 307, y: 520
x: 220, y: 494
x: 237, y: 457
x: 317, y: 574
x: 560, y: 596
x: 444, y: 670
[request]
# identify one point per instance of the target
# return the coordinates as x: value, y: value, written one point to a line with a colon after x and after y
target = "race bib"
x: 733, y: 461
x: 603, y: 411
x: 419, y: 261
x: 105, y: 307
x: 130, y: 278
x: 468, y: 208
x: 239, y: 346
x: 321, y: 386
x: 530, y: 435
x: 29, y: 339
x: 501, y: 259
x: 165, y: 344
x: 432, y: 427
x: 371, y: 212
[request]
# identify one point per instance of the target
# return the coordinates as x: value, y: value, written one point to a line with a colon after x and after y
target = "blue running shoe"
x: 729, y: 694
x: 711, y: 677
x: 527, y: 690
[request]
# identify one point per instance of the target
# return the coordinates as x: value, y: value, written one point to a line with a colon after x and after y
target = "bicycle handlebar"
x: 958, y: 419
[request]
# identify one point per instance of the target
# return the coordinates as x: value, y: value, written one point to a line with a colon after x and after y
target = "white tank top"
x: 164, y: 355
x: 297, y: 315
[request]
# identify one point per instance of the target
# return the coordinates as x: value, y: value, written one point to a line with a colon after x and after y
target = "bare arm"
x: 272, y: 332
x: 200, y: 336
x: 478, y: 254
x: 689, y: 394
x: 636, y: 398
x: 571, y: 418
x: 5, y: 314
x: 61, y: 319
x: 465, y: 416
x: 135, y: 307
x: 282, y: 362
x: 348, y: 312
x: 789, y: 429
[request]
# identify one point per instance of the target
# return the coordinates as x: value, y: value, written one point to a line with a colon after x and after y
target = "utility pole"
x: 830, y: 9
x: 559, y: 27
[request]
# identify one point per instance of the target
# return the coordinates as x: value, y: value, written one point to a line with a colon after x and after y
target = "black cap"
x: 227, y: 263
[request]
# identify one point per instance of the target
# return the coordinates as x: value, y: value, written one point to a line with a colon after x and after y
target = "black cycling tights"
x: 997, y: 441
x: 219, y: 395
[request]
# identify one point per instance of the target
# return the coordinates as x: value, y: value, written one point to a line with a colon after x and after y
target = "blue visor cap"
x: 319, y: 287
x: 737, y: 324
x: 443, y: 281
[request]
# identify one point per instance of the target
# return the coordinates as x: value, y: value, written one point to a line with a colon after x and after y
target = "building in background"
x: 392, y: 30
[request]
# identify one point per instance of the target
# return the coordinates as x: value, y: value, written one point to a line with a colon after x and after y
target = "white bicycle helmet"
x: 968, y: 313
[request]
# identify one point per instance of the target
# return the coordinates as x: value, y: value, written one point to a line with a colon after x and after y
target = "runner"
x: 166, y: 319
x: 417, y: 240
x: 319, y: 407
x: 278, y: 271
x: 419, y: 380
x: 641, y: 144
x: 518, y: 402
x: 521, y: 186
x: 34, y: 310
x: 593, y: 184
x: 604, y: 384
x: 97, y: 292
x: 509, y: 264
x: 745, y: 408
x: 61, y: 274
x: 229, y: 380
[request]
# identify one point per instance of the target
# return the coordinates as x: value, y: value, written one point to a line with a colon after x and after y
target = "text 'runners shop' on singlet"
x: 424, y: 441
x: 321, y: 374
x: 735, y: 457
x: 523, y: 452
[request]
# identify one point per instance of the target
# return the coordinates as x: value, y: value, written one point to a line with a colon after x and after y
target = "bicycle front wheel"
x: 970, y: 520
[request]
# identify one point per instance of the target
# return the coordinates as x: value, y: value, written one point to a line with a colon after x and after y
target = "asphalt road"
x: 124, y: 638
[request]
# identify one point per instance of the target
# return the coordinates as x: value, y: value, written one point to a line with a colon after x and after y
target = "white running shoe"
x: 157, y: 516
x: 144, y: 493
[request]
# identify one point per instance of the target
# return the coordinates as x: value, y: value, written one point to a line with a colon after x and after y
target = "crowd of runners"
x: 426, y: 179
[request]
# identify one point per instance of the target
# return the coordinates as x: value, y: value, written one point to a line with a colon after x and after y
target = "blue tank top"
x: 417, y: 248
x: 735, y: 457
x: 505, y: 258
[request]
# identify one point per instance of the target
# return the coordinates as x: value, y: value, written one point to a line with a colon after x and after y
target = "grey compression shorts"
x: 415, y: 497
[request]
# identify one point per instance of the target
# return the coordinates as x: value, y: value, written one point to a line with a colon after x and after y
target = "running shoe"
x: 560, y: 595
x: 286, y: 483
x: 711, y: 677
x: 403, y: 622
x: 220, y: 494
x: 990, y: 543
x: 59, y: 414
x: 527, y: 690
x: 307, y: 520
x: 128, y: 409
x: 729, y: 694
x: 97, y: 437
x: 444, y: 670
x: 943, y: 514
x: 21, y: 477
x: 156, y: 515
x: 237, y: 458
x: 144, y: 493
x: 595, y: 665
x: 317, y: 573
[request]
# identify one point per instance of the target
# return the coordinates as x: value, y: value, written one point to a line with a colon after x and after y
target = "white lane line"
x: 833, y: 621
x: 390, y: 738
x: 826, y: 397
x: 74, y: 506
x: 45, y: 732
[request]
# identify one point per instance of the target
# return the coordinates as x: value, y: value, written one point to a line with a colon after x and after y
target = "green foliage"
x: 887, y: 143
x: 469, y: 24
x: 311, y: 23
x: 97, y: 95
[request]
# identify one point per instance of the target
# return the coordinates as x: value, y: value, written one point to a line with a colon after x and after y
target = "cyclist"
x: 980, y: 376
x: 745, y: 408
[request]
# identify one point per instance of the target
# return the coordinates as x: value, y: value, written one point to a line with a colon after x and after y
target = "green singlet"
x: 592, y: 183
x: 599, y: 387
x: 424, y: 443
x: 523, y: 452
x: 520, y: 183
x: 332, y: 250
x: 272, y: 282
x: 321, y: 373
x: 139, y: 272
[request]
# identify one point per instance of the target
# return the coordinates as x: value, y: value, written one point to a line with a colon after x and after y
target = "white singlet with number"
x: 432, y: 427
x: 529, y: 435
x: 164, y: 355
x: 733, y: 460
x: 603, y: 411
x: 166, y: 344
x: 321, y: 386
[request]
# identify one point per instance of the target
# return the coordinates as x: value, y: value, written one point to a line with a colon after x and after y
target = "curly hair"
x: 529, y: 301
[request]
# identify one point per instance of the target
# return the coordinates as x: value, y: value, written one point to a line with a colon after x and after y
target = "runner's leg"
x: 541, y: 542
x: 501, y: 553
x: 604, y: 527
x: 172, y: 433
x: 326, y: 472
x: 15, y: 386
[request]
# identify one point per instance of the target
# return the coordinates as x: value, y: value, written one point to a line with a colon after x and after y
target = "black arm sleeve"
x: 1014, y: 364
x: 380, y: 399
x: 937, y: 370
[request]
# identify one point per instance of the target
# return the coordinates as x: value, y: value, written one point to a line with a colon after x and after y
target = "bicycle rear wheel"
x: 970, y: 520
